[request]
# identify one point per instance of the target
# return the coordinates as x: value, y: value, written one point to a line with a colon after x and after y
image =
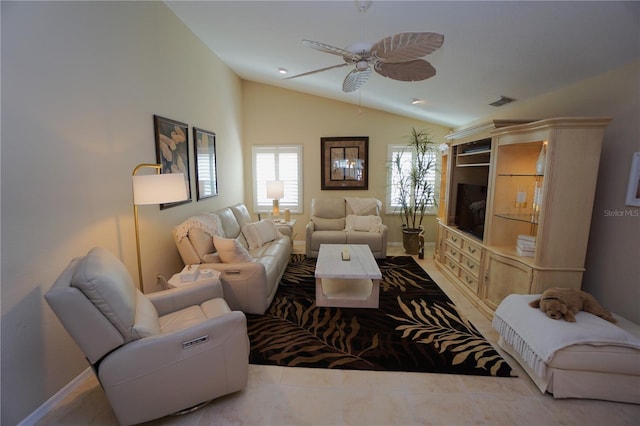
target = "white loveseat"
x: 346, y: 221
x: 251, y: 256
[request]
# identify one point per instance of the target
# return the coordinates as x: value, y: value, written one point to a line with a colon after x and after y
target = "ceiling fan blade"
x: 355, y: 79
x: 327, y: 48
x: 415, y: 70
x: 406, y: 46
x: 317, y: 71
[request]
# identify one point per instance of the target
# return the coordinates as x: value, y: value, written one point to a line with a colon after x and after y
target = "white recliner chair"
x: 154, y: 354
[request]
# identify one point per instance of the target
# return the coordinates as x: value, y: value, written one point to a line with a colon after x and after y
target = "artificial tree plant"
x: 413, y: 186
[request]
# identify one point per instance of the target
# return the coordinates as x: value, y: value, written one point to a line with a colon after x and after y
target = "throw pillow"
x: 369, y: 223
x: 260, y: 233
x: 230, y: 250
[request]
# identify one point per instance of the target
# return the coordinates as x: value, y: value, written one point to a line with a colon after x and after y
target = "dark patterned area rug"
x: 417, y: 327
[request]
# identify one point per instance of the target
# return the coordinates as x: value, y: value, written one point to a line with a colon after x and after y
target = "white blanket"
x: 536, y: 337
x: 208, y: 222
x: 363, y: 205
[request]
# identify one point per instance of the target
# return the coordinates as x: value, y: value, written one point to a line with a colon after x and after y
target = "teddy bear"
x: 560, y: 303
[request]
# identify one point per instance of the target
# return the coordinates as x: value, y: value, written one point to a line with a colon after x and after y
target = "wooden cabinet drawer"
x: 471, y: 249
x: 469, y: 280
x: 454, y: 239
x: 452, y: 265
x: 471, y: 265
x: 452, y: 251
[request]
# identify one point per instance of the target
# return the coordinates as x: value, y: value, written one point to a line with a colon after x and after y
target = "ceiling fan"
x: 396, y: 57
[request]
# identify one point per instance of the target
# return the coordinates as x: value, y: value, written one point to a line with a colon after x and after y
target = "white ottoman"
x: 591, y: 358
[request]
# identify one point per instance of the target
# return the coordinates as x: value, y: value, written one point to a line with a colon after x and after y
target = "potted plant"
x: 415, y: 192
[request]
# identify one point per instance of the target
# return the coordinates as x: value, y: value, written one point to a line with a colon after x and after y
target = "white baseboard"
x: 58, y: 397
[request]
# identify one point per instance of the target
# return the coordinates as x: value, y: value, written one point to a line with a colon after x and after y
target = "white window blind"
x: 407, y: 158
x: 278, y: 163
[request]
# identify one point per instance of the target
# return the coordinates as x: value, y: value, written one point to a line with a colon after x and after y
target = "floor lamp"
x: 154, y: 189
x: 275, y: 190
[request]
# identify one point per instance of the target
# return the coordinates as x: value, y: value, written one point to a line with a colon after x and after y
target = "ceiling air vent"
x: 502, y: 100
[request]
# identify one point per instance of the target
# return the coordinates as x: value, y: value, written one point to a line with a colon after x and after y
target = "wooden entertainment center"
x: 498, y: 193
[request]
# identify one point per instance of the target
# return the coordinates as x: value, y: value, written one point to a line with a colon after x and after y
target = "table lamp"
x: 275, y: 190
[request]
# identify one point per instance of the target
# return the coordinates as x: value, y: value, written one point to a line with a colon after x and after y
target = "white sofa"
x: 346, y: 221
x: 249, y: 283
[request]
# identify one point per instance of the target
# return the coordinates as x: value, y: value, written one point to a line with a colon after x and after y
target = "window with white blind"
x: 283, y: 163
x: 407, y: 158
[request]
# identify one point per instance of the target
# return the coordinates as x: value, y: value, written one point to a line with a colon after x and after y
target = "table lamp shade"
x: 159, y: 188
x: 275, y: 189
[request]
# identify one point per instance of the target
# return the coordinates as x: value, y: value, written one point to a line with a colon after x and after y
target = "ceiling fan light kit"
x: 397, y: 57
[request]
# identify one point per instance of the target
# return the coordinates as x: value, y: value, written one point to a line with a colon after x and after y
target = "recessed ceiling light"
x: 502, y: 100
x: 416, y: 101
x: 282, y: 70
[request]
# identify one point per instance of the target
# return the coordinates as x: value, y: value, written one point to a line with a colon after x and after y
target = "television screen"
x: 470, y: 208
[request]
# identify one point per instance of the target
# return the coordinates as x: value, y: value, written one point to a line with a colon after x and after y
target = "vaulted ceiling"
x: 517, y: 49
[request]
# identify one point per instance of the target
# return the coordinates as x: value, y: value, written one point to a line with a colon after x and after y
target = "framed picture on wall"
x: 344, y: 162
x: 204, y: 150
x: 633, y: 188
x: 172, y: 151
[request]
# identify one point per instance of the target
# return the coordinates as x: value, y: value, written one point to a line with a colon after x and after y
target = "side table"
x: 285, y: 228
x: 212, y: 276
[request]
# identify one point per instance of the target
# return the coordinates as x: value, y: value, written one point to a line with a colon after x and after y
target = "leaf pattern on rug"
x: 416, y: 328
x: 447, y: 332
x: 397, y: 277
x: 297, y: 335
x: 298, y: 270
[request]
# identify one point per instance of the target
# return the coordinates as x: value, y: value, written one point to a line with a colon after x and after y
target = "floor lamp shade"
x: 275, y: 191
x: 157, y: 189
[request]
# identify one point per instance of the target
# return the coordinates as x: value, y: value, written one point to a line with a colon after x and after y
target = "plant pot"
x: 411, y: 240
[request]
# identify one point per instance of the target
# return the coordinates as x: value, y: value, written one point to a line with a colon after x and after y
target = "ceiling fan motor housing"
x: 362, y: 65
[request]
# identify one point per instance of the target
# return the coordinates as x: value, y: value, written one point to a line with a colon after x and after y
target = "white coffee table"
x: 353, y: 283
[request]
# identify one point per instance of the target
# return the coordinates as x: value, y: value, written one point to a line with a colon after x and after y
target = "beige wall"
x: 277, y: 116
x: 80, y: 84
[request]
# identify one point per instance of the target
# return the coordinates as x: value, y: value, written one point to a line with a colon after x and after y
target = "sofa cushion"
x: 363, y: 223
x: 322, y: 224
x: 105, y: 281
x: 181, y: 319
x: 230, y: 250
x: 328, y: 208
x: 258, y: 234
x: 229, y: 222
x: 241, y: 214
x: 202, y: 242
